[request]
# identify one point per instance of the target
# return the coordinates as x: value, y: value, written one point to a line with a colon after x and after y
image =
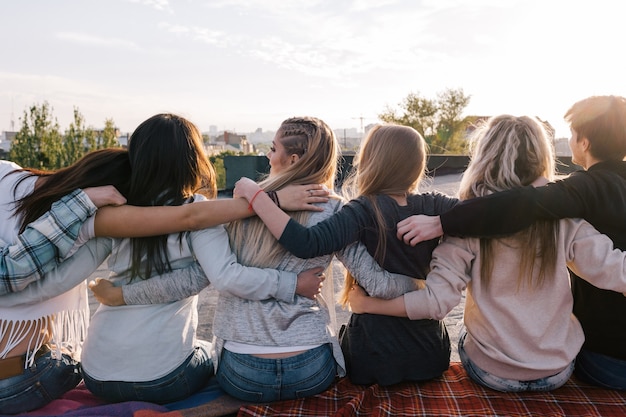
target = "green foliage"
x: 40, y: 145
x: 218, y: 164
x: 438, y: 120
x: 108, y: 137
x: 76, y: 137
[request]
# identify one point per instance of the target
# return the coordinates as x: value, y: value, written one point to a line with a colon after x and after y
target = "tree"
x: 220, y: 171
x: 76, y: 141
x: 108, y: 137
x: 439, y: 121
x: 38, y: 144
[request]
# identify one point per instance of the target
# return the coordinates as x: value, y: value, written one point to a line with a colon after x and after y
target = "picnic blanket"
x: 454, y: 394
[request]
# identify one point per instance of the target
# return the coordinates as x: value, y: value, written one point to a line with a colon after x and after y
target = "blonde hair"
x: 509, y: 152
x: 391, y: 160
x: 316, y: 145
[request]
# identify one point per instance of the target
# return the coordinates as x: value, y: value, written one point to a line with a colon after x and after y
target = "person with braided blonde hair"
x: 383, y: 187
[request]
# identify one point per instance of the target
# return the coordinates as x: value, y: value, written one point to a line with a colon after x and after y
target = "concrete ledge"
x: 256, y: 167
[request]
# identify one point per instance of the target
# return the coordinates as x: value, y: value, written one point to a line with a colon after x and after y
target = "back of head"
x: 168, y: 161
x: 169, y: 165
x: 102, y: 167
x: 316, y: 145
x: 391, y: 160
x: 509, y: 152
x: 602, y: 120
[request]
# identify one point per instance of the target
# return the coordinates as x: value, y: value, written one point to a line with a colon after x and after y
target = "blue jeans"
x: 189, y: 377
x: 255, y: 379
x: 488, y: 380
x: 601, y: 370
x: 47, y: 380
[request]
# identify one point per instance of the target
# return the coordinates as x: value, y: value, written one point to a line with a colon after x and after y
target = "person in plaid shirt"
x: 41, y: 331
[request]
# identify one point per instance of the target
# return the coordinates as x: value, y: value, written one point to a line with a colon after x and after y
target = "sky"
x: 246, y: 64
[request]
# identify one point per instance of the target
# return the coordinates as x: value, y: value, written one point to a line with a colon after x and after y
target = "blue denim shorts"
x: 47, y: 380
x: 488, y: 380
x: 255, y: 379
x: 601, y: 370
x: 189, y: 377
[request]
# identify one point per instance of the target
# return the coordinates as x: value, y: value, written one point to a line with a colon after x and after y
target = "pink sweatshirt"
x: 518, y: 333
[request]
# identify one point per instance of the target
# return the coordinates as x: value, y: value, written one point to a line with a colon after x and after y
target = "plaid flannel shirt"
x: 44, y: 243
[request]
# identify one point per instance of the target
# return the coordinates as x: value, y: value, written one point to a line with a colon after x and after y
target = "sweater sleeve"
x: 168, y: 287
x: 592, y: 257
x: 451, y: 271
x: 327, y: 236
x: 212, y: 250
x: 217, y: 265
x: 44, y: 243
x: 66, y: 276
x: 371, y: 276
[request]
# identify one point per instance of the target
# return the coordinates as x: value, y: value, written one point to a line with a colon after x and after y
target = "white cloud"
x: 86, y: 39
x: 161, y: 5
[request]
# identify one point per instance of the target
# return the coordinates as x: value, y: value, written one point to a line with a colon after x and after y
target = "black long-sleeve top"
x: 356, y: 222
x: 599, y: 196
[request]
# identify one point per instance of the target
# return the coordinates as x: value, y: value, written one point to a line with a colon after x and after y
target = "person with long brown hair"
x: 520, y: 332
x: 383, y: 185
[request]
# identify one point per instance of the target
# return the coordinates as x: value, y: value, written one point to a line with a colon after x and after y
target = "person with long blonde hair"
x: 520, y: 332
x: 383, y: 187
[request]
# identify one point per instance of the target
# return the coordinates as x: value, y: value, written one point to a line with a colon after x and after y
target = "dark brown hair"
x: 102, y: 167
x: 168, y: 166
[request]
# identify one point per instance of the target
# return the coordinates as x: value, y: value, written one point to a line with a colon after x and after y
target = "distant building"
x: 233, y: 141
x: 6, y: 138
x: 229, y: 141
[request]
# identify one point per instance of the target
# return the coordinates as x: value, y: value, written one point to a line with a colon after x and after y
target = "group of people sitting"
x: 539, y: 261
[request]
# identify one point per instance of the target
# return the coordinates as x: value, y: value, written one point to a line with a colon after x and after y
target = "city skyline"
x: 247, y: 64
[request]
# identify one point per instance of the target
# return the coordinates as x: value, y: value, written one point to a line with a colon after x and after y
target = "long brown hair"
x: 102, y: 167
x: 168, y: 166
x: 509, y: 152
x: 391, y: 160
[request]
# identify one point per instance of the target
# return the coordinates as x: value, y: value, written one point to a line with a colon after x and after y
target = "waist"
x: 16, y: 365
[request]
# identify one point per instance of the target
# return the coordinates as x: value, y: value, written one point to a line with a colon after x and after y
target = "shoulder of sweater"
x: 332, y: 206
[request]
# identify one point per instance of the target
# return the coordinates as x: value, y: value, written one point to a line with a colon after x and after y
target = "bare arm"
x: 133, y: 221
